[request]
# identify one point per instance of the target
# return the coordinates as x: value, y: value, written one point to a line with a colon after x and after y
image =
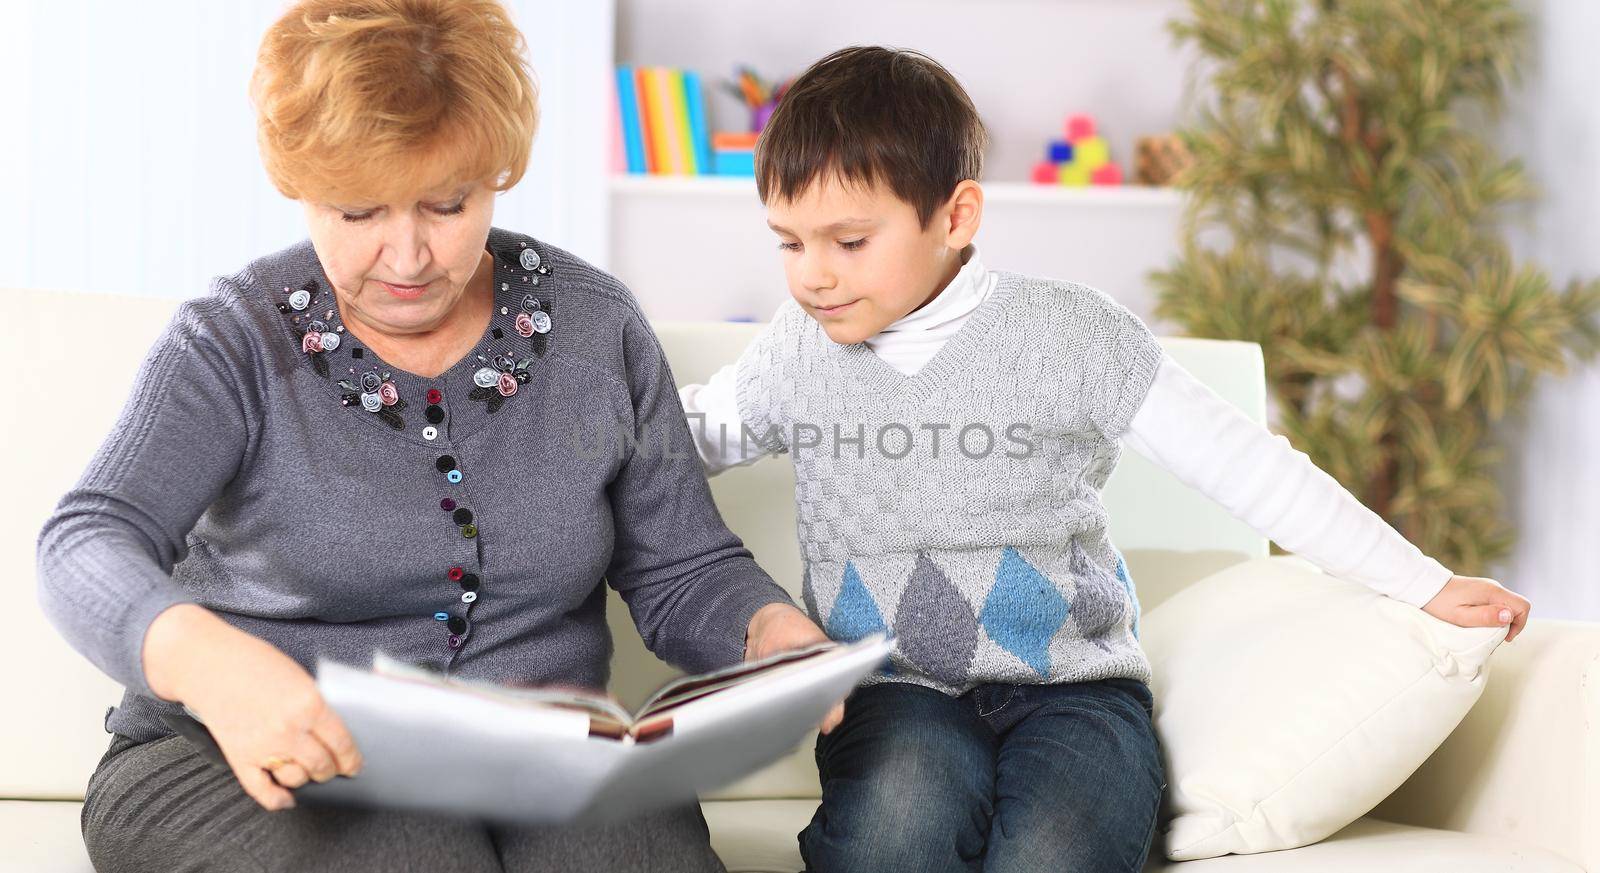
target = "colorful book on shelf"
x: 619, y: 151
x: 630, y: 120
x: 647, y: 120
x: 682, y: 128
x: 654, y: 120
x: 734, y: 153
x: 699, y: 134
x: 662, y: 121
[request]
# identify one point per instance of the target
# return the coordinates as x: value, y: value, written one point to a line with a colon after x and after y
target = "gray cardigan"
x: 335, y: 506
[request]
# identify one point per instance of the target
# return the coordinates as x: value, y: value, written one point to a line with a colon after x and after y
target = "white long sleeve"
x: 1184, y: 427
x: 713, y: 410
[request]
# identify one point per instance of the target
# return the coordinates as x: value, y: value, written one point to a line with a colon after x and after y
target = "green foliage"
x: 1342, y: 213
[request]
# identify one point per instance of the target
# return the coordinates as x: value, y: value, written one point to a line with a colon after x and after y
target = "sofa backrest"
x: 65, y: 395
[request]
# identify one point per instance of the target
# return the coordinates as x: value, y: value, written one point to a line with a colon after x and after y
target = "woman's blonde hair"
x: 375, y: 99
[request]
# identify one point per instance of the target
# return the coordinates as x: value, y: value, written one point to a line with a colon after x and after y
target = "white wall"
x: 1553, y: 472
x: 128, y: 158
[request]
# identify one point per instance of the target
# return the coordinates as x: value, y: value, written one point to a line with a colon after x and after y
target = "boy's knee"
x: 899, y: 827
x: 887, y: 848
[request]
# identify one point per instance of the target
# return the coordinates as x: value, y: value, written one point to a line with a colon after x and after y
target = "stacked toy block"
x: 1081, y: 159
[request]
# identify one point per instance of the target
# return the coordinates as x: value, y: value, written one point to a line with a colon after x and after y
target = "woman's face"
x: 401, y: 268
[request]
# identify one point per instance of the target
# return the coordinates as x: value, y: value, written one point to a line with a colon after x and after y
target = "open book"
x: 540, y: 755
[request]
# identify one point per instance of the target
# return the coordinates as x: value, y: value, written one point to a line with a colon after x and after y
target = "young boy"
x: 951, y: 429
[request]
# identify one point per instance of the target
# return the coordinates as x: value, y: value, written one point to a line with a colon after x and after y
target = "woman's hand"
x: 779, y: 627
x: 263, y: 708
x: 1471, y: 601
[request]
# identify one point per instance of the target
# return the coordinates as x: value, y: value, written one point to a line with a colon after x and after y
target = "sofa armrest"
x: 1525, y: 762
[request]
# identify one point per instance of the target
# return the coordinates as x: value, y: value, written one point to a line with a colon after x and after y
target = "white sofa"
x: 1516, y: 787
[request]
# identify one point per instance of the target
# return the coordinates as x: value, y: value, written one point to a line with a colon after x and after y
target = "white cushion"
x: 1289, y: 703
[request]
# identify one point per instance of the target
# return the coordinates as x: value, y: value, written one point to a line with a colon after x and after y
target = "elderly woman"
x: 366, y: 441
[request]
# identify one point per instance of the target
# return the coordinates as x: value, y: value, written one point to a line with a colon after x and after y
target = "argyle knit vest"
x: 960, y: 507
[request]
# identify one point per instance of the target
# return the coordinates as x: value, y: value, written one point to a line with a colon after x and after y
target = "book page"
x: 703, y: 743
x: 536, y: 755
x: 690, y: 687
x: 439, y: 746
x: 600, y: 706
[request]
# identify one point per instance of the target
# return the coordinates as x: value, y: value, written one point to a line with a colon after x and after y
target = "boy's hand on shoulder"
x: 779, y: 627
x: 1472, y: 601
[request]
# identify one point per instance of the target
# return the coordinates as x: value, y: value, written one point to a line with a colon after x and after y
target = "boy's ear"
x: 965, y: 212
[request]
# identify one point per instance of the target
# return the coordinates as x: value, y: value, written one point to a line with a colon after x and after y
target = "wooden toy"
x: 1159, y: 159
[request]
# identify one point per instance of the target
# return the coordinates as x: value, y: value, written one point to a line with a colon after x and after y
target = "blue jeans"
x: 1003, y: 778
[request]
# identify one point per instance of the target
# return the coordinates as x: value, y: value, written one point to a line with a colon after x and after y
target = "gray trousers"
x: 160, y: 806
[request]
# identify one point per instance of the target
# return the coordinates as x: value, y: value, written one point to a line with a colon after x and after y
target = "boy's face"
x: 857, y: 259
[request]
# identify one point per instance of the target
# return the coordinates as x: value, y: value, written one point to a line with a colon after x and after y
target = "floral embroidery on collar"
x: 317, y: 335
x: 375, y: 394
x: 500, y: 375
x: 498, y: 379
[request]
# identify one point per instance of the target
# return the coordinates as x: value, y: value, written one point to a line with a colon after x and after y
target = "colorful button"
x: 430, y: 432
x: 463, y: 516
x: 458, y: 625
x: 434, y: 413
x: 469, y: 582
x: 469, y: 530
x: 454, y: 476
x: 445, y: 463
x: 468, y: 596
x: 434, y: 396
x: 455, y: 574
x: 441, y: 616
x: 447, y: 504
x: 455, y: 641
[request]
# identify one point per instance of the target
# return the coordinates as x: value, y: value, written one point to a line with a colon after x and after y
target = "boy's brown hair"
x: 873, y: 115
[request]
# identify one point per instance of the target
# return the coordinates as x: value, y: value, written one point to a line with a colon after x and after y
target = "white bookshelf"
x: 699, y: 248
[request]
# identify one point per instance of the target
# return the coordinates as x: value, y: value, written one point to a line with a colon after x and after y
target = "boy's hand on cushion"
x: 779, y: 627
x: 1472, y: 601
